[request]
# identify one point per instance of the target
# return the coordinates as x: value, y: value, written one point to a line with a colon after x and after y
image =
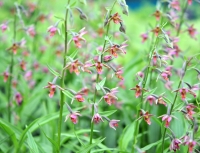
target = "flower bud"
x: 122, y: 28
x: 83, y: 16
x: 107, y: 58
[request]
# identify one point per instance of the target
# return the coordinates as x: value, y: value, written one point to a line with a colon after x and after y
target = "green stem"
x: 11, y: 71
x: 181, y: 19
x: 142, y: 96
x: 97, y: 77
x: 180, y: 24
x: 174, y: 101
x: 62, y: 84
x: 152, y: 48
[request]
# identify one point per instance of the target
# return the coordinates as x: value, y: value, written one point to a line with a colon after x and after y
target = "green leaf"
x: 73, y: 55
x: 73, y: 4
x: 71, y: 133
x: 100, y: 85
x: 34, y: 125
x: 150, y: 92
x: 107, y: 113
x: 53, y: 71
x: 126, y: 136
x: 68, y: 94
x: 152, y: 145
x: 10, y: 131
x: 53, y: 142
x: 83, y: 2
x: 31, y: 142
x: 87, y: 148
x: 59, y: 17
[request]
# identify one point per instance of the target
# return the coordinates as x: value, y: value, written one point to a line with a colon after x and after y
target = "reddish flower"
x: 154, y: 59
x: 36, y: 65
x: 84, y: 91
x: 140, y: 74
x: 31, y: 7
x: 192, y: 32
x: 165, y: 75
x: 52, y: 89
x: 113, y: 124
x: 73, y: 116
x: 185, y: 138
x: 175, y: 145
x: 116, y: 18
x: 23, y: 65
x: 119, y: 73
x: 18, y: 98
x: 97, y: 118
x: 100, y: 31
x: 191, y: 144
x: 74, y: 66
x: 138, y: 90
x: 79, y: 37
x: 42, y: 18
x: 156, y: 31
x: 107, y: 58
x: 121, y: 84
x: 14, y: 83
x: 184, y: 91
x: 5, y: 76
x: 151, y: 99
x: 157, y: 14
x: 28, y: 75
x: 110, y: 97
x: 116, y: 49
x: 79, y: 98
x: 175, y: 51
x: 52, y: 30
x: 167, y: 119
x: 144, y: 37
x: 146, y: 116
x: 99, y: 67
x: 175, y: 4
x: 168, y: 85
x: 161, y: 101
x: 86, y: 67
x: 3, y: 27
x: 14, y: 48
x: 31, y: 31
x: 189, y: 111
x: 190, y: 2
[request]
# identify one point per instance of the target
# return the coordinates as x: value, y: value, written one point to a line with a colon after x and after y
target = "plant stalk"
x: 62, y: 84
x: 97, y: 77
x: 11, y: 71
x: 174, y: 101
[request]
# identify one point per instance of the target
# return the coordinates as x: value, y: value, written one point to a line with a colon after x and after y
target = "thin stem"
x: 174, y: 101
x: 62, y: 84
x: 97, y: 77
x: 181, y: 19
x: 181, y: 22
x: 11, y: 70
x: 142, y: 96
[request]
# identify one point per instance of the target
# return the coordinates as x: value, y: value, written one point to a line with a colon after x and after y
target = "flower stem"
x: 174, y: 101
x: 97, y: 77
x: 11, y: 70
x: 143, y: 86
x: 63, y: 77
x: 181, y: 19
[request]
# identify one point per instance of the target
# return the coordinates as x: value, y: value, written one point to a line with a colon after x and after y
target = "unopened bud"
x: 83, y: 16
x: 122, y: 28
x: 107, y: 58
x: 124, y: 7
